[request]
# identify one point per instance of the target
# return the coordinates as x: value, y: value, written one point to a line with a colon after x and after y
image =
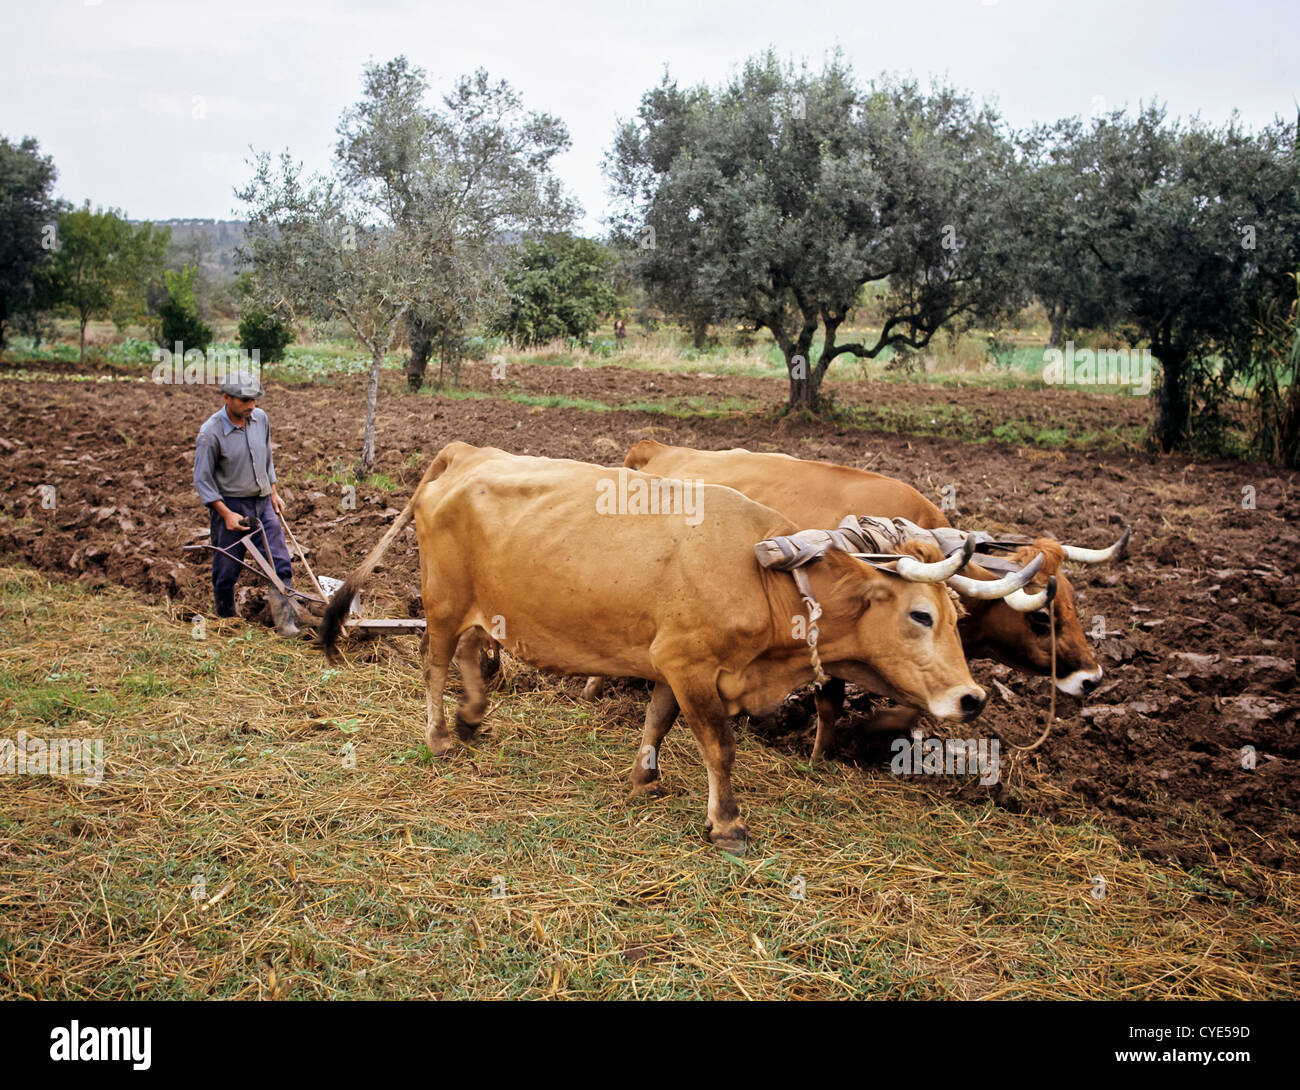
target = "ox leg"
x: 660, y: 714
x: 893, y: 720
x: 717, y: 741
x: 470, y: 653
x: 489, y: 658
x: 594, y: 687
x: 436, y: 649
x: 830, y: 703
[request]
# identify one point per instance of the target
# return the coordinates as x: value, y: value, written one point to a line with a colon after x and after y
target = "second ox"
x: 822, y: 493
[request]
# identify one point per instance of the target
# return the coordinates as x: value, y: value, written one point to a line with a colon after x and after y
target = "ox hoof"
x: 654, y: 789
x: 466, y: 730
x: 732, y: 841
x: 439, y: 747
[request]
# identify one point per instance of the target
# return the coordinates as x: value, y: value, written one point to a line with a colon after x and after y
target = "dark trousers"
x: 225, y: 571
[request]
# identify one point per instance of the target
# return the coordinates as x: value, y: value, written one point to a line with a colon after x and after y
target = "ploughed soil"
x: 1201, y: 618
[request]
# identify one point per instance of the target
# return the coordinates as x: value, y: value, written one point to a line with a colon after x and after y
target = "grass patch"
x: 341, y: 475
x: 541, y: 401
x: 280, y: 832
x: 697, y: 405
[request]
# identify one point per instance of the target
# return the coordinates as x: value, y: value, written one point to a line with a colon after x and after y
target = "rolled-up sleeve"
x: 205, y: 466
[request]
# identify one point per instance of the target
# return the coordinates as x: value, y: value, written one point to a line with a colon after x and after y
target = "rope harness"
x: 814, y: 615
x: 879, y: 541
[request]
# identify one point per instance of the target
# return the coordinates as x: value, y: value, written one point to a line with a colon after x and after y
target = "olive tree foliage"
x: 317, y: 252
x: 1183, y: 237
x: 27, y: 225
x: 1058, y: 267
x: 469, y: 177
x: 1272, y: 367
x: 777, y: 198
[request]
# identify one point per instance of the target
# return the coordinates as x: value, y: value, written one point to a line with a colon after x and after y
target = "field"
x: 268, y: 826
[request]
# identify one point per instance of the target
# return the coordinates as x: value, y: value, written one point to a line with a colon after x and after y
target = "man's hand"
x: 235, y: 522
x: 277, y: 504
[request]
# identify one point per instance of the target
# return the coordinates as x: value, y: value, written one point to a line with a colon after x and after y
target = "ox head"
x: 901, y: 625
x: 1016, y: 630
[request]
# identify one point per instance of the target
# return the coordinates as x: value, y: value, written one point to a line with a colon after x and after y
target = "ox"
x: 822, y: 493
x: 519, y: 546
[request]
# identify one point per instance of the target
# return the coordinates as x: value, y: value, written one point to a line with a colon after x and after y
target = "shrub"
x: 178, y: 315
x: 266, y: 334
x: 559, y: 287
x: 179, y: 324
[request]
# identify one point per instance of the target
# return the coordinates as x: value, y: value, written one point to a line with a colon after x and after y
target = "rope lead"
x: 1051, y: 715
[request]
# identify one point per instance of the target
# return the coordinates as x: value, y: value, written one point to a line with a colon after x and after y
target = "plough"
x: 325, y: 586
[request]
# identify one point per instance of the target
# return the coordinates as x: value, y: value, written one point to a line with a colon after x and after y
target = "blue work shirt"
x: 231, y: 461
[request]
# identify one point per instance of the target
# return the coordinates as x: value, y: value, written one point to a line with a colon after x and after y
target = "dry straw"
x: 267, y: 829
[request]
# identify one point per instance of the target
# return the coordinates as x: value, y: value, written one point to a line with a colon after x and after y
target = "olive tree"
x: 316, y: 253
x: 470, y: 177
x: 27, y: 215
x: 1182, y: 235
x: 779, y: 196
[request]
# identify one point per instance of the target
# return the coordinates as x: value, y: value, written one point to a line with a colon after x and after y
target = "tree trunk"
x: 1175, y: 402
x: 83, y: 341
x: 699, y: 334
x: 1290, y: 454
x: 1056, y: 315
x: 372, y: 399
x: 805, y: 382
x: 419, y: 335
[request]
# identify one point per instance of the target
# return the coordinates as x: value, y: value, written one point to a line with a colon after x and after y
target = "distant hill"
x: 207, y: 243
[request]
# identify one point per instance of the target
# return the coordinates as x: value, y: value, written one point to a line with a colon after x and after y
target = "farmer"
x: 235, y: 478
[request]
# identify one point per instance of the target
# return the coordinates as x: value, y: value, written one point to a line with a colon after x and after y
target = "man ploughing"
x: 235, y: 479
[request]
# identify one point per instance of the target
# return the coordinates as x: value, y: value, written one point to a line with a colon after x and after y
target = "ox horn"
x: 996, y: 588
x: 1022, y: 602
x: 919, y: 571
x: 1096, y: 556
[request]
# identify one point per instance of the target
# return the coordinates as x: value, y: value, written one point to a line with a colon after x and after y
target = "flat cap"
x: 242, y: 384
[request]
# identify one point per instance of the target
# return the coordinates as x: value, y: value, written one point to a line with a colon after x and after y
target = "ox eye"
x: 922, y: 618
x: 1039, y: 621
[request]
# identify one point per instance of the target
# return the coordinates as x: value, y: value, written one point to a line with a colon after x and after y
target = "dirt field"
x: 1202, y: 618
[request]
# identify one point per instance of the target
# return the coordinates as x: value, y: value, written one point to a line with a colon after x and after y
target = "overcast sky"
x: 151, y: 107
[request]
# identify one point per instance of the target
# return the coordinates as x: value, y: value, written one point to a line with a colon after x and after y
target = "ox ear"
x: 641, y: 452
x: 858, y: 579
x: 880, y: 589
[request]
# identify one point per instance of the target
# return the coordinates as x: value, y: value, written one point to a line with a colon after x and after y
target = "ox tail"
x: 330, y: 628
